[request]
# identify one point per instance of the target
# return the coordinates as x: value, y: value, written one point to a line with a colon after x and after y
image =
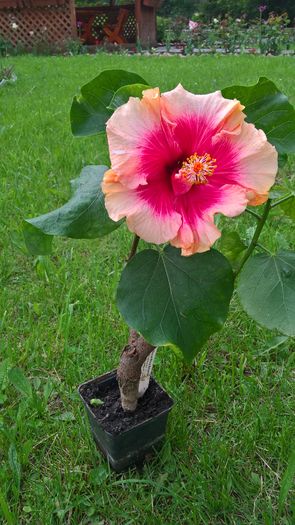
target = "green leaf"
x: 123, y: 94
x: 98, y: 475
x: 20, y: 381
x: 275, y: 342
x: 232, y: 246
x: 4, y: 367
x: 283, y: 159
x: 65, y: 416
x: 37, y: 242
x: 44, y: 268
x: 288, y: 207
x: 277, y: 192
x: 90, y: 110
x: 267, y: 290
x: 83, y: 217
x: 3, y: 398
x: 10, y: 518
x: 268, y: 109
x: 14, y: 464
x: 176, y: 300
x: 287, y: 480
x: 96, y: 402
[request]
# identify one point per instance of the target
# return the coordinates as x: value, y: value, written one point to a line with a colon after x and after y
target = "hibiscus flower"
x: 177, y: 159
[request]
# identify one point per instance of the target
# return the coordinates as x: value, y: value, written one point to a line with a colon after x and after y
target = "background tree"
x: 214, y: 8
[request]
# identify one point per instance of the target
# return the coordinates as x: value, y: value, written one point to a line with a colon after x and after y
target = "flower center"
x: 197, y: 168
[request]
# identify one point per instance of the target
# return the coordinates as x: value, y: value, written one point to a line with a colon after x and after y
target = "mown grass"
x: 232, y: 429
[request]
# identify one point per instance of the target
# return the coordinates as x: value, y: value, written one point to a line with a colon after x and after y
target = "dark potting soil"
x: 110, y: 414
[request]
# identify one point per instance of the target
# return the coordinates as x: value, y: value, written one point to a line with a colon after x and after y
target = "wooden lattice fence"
x: 26, y: 23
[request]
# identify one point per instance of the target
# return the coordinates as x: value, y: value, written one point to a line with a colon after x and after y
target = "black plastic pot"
x: 130, y: 447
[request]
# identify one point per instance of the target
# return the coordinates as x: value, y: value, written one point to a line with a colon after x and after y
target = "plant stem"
x: 255, y: 237
x: 132, y: 358
x: 283, y: 199
x: 252, y: 212
x: 133, y: 247
x: 129, y: 370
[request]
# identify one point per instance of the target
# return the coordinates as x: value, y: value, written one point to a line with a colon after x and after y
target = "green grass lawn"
x: 232, y: 428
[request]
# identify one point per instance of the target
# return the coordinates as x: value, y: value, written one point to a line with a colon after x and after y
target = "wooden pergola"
x: 24, y: 22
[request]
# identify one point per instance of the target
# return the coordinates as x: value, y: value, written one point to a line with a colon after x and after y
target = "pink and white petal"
x: 110, y: 182
x: 152, y: 227
x: 198, y: 231
x: 257, y: 159
x: 126, y: 129
x: 234, y: 119
x: 197, y: 237
x: 219, y: 112
x: 230, y: 199
x: 151, y: 99
x: 141, y: 217
x: 121, y: 202
x: 255, y: 199
x: 207, y: 233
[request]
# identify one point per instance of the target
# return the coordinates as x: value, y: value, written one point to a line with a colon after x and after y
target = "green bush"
x: 163, y: 24
x: 184, y: 8
x: 6, y: 47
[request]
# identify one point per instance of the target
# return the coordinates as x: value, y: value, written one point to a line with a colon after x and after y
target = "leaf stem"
x: 133, y: 247
x: 252, y: 212
x: 255, y: 237
x: 283, y: 199
x: 258, y: 245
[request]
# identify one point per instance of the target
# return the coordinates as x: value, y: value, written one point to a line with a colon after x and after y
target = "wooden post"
x: 145, y: 13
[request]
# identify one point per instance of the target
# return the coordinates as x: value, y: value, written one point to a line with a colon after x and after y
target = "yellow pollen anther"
x: 197, y: 168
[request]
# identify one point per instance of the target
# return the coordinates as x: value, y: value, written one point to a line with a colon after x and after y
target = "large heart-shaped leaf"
x: 124, y: 93
x: 37, y: 242
x: 171, y: 299
x: 83, y: 217
x: 268, y: 109
x: 267, y: 290
x: 90, y: 110
x: 232, y: 246
x: 288, y: 206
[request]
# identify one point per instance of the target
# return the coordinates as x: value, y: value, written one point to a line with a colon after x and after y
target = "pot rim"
x: 110, y: 373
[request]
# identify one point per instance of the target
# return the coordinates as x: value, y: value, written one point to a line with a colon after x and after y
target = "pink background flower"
x: 178, y: 159
x: 192, y: 25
